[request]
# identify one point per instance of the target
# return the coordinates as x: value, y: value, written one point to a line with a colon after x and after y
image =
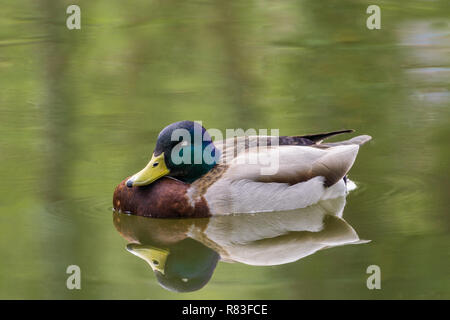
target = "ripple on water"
x: 86, y: 209
x: 395, y: 188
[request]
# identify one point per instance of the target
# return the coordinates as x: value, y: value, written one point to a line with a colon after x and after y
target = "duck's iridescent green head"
x: 184, y: 266
x: 184, y: 150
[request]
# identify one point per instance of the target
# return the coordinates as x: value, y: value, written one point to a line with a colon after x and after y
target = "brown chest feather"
x: 165, y: 198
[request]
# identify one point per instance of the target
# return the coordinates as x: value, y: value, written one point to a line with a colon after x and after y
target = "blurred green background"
x: 81, y: 109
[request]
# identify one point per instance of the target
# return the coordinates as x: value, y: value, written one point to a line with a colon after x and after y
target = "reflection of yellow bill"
x: 155, y: 257
x: 154, y: 170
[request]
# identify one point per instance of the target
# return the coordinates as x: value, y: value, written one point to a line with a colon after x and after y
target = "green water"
x: 80, y: 110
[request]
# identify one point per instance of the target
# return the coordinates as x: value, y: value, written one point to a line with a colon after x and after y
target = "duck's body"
x: 249, y: 174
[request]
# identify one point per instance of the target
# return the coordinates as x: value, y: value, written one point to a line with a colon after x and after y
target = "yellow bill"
x: 155, y: 257
x: 154, y: 170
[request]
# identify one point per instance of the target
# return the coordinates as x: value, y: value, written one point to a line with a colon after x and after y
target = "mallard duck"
x: 189, y: 176
x: 183, y: 253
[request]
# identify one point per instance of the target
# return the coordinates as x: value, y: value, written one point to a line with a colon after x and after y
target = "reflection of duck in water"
x: 183, y: 253
x: 237, y: 175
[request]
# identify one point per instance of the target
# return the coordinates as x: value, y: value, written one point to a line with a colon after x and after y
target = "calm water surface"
x: 80, y: 111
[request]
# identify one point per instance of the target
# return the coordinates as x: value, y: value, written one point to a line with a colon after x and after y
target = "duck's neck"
x: 191, y: 172
x: 196, y: 172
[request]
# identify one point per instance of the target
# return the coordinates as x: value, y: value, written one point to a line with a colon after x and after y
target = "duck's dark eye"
x: 155, y: 164
x: 155, y: 262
